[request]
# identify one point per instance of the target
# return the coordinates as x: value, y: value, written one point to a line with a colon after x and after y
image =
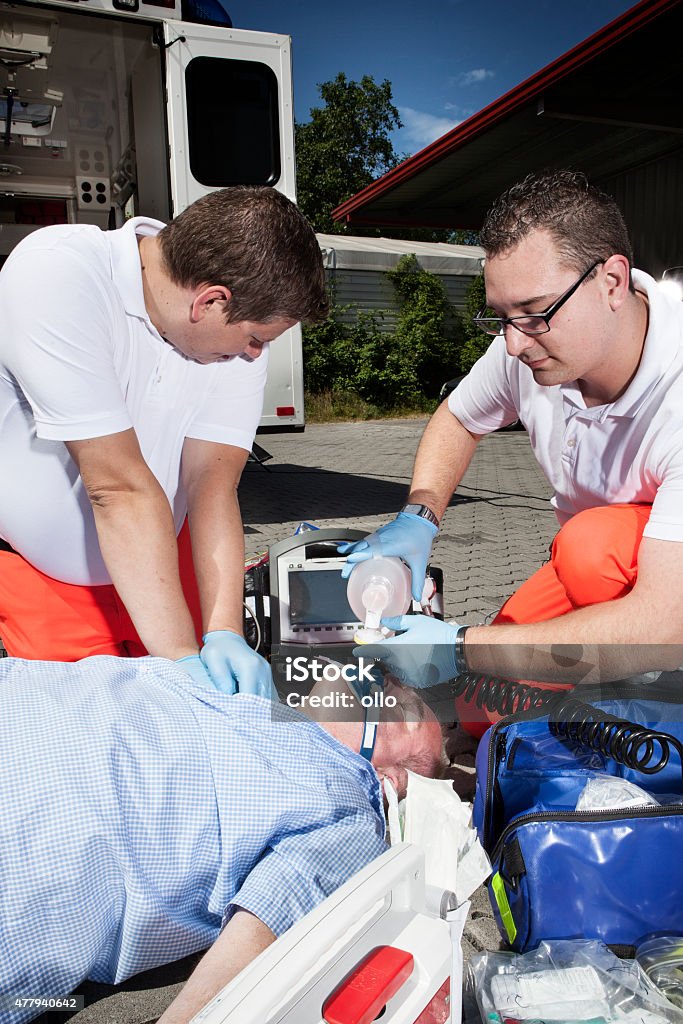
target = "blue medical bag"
x: 558, y: 873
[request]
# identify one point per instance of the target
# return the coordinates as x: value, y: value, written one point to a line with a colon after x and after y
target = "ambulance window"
x: 233, y: 124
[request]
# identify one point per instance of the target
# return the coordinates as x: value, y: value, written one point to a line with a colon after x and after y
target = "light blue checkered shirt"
x: 137, y: 809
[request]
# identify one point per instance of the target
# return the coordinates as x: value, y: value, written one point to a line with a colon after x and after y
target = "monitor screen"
x: 318, y: 598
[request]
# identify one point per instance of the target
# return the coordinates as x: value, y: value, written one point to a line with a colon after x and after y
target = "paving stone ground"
x: 495, y: 533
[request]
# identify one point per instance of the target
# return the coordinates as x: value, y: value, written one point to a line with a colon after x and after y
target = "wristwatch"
x: 423, y: 511
x: 460, y: 659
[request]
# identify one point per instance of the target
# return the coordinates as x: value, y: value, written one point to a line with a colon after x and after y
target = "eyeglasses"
x: 537, y: 323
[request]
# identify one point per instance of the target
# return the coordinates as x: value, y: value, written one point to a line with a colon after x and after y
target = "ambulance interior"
x: 83, y: 120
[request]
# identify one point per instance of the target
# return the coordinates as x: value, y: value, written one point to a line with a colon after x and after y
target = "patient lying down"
x: 146, y: 818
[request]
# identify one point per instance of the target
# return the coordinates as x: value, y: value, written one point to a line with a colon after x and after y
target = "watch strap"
x: 423, y: 511
x: 460, y: 661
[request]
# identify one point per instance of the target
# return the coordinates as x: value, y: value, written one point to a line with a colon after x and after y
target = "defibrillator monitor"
x: 314, y: 597
x: 308, y: 602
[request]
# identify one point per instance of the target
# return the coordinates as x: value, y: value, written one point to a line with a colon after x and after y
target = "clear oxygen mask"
x: 378, y: 588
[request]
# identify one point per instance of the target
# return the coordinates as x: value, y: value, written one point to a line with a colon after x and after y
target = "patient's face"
x: 415, y: 743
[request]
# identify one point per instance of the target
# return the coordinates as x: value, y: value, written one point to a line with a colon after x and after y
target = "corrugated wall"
x: 651, y: 199
x: 371, y: 291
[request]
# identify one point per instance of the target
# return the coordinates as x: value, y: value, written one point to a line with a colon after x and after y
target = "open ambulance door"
x: 225, y: 85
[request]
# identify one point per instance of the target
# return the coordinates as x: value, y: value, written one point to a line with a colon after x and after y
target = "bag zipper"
x: 649, y: 811
x: 608, y: 691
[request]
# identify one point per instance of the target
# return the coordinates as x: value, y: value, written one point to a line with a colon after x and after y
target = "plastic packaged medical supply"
x: 378, y: 588
x: 604, y: 792
x: 564, y: 980
x: 662, y: 961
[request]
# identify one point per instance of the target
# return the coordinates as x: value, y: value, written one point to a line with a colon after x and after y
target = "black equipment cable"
x: 637, y: 747
x: 502, y: 696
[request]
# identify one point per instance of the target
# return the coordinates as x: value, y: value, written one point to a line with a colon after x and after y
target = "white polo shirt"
x: 80, y: 358
x: 628, y: 451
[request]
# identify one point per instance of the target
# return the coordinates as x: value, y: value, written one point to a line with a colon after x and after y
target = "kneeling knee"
x: 595, y: 554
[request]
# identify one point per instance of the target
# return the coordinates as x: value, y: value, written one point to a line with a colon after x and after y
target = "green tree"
x: 344, y: 146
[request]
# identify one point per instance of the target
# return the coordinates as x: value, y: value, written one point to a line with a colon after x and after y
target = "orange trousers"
x: 42, y: 618
x: 593, y: 559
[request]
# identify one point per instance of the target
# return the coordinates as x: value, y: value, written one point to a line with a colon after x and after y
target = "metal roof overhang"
x: 610, y: 104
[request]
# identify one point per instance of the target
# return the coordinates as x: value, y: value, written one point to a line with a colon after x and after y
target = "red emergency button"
x: 369, y: 987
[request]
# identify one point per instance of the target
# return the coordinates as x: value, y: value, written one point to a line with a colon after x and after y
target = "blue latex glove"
x: 192, y: 665
x: 407, y: 536
x: 422, y: 655
x: 234, y: 667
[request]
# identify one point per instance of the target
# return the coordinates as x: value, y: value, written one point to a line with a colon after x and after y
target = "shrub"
x: 359, y: 366
x: 474, y: 342
x: 428, y: 333
x: 325, y: 353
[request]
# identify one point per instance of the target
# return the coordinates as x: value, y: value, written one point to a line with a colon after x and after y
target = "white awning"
x: 350, y: 252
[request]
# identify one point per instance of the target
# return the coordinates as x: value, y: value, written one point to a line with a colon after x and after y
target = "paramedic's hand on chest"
x: 234, y: 667
x: 137, y: 539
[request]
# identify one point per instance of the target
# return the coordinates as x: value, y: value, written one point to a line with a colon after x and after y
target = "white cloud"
x: 419, y: 128
x: 475, y: 76
x: 459, y: 111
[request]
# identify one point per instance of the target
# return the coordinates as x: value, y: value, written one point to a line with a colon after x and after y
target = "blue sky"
x: 445, y: 59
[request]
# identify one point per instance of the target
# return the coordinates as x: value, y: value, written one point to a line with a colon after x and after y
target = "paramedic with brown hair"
x: 589, y: 355
x: 132, y: 368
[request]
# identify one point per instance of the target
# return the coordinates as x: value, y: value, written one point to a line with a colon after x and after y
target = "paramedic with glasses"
x: 588, y: 354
